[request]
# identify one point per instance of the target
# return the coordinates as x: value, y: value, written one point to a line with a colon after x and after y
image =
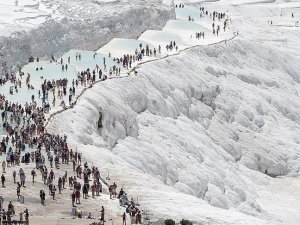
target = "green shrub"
x: 185, y: 222
x: 169, y: 222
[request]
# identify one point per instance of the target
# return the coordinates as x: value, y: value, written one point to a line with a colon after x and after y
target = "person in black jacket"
x: 3, y: 180
x: 43, y: 197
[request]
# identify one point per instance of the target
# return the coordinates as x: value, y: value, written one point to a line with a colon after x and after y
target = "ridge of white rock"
x: 194, y: 123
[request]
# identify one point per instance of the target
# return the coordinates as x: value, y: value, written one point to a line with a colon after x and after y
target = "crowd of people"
x: 25, y: 133
x: 214, y: 15
x: 7, y: 216
x: 24, y: 126
x: 84, y: 183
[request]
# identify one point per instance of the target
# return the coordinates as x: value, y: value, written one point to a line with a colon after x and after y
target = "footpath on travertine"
x: 132, y: 72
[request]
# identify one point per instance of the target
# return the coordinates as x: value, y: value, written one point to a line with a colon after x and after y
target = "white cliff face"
x: 212, y: 123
